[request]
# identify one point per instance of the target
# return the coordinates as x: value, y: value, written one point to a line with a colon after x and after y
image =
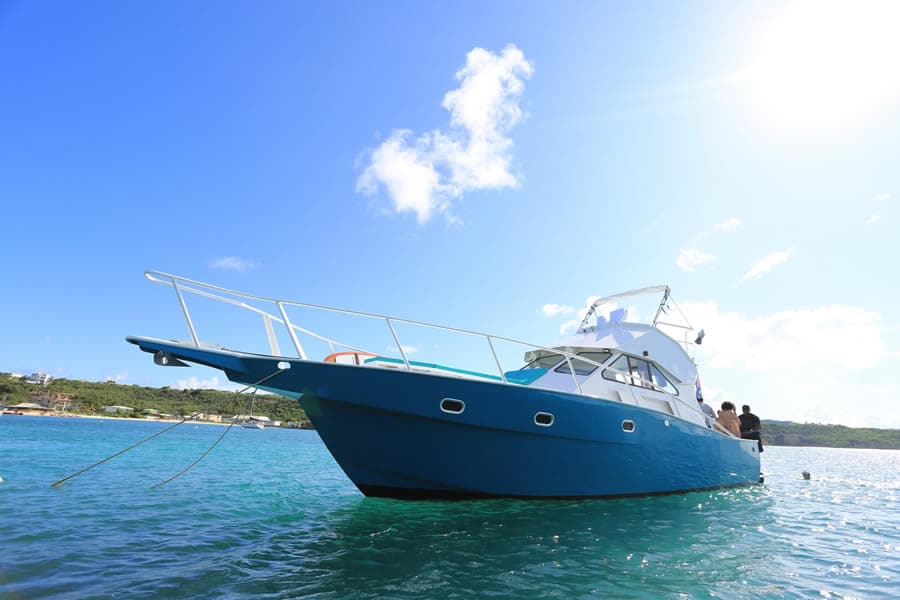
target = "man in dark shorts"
x: 750, y: 426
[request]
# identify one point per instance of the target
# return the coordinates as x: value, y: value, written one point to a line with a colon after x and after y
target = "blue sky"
x: 745, y: 154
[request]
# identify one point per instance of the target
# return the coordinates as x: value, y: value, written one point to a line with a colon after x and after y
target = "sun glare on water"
x: 827, y: 65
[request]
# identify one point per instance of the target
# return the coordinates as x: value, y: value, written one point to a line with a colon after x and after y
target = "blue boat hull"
x: 386, y: 429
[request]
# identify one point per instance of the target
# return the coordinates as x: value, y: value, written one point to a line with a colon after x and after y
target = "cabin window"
x: 620, y: 365
x: 544, y: 362
x: 662, y: 382
x: 585, y: 368
x: 640, y: 370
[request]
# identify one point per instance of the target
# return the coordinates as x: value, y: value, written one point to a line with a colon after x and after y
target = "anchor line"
x: 221, y: 437
x: 183, y: 420
x: 120, y: 452
x: 191, y: 466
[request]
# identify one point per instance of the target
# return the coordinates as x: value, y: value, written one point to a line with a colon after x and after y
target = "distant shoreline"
x: 105, y: 418
x: 777, y: 433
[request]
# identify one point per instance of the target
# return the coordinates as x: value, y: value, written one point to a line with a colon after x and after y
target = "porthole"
x: 452, y: 406
x: 544, y: 419
x: 666, y: 422
x: 628, y: 426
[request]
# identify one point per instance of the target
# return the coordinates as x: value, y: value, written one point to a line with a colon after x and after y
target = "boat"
x: 252, y: 423
x: 609, y: 411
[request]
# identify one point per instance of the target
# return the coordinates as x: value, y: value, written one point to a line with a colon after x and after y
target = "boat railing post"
x: 572, y: 371
x: 270, y: 334
x: 290, y: 328
x: 187, y: 315
x: 397, y: 341
x: 496, y: 360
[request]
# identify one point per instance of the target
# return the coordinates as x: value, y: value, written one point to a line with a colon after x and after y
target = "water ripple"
x: 270, y: 515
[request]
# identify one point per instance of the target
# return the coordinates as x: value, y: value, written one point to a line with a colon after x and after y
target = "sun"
x: 826, y: 65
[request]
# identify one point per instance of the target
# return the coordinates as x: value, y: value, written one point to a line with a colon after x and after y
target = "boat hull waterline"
x: 387, y: 430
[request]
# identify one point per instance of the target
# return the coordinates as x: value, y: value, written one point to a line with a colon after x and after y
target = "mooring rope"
x: 159, y: 433
x: 191, y: 466
x: 224, y: 433
x: 120, y: 452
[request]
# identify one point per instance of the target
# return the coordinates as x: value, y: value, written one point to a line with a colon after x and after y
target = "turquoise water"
x: 269, y: 514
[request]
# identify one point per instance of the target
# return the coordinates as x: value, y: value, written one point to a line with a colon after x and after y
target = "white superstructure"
x: 630, y: 362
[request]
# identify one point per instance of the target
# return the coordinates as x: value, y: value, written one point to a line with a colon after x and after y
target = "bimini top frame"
x: 666, y: 304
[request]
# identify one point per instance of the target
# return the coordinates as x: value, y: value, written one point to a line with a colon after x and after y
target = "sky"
x: 489, y: 166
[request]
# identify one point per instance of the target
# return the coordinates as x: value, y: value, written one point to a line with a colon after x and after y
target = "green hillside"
x: 786, y: 433
x: 92, y: 396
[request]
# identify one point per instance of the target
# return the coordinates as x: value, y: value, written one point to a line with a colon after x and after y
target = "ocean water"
x: 269, y: 514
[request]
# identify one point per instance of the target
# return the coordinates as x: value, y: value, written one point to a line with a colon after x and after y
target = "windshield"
x: 544, y: 362
x: 585, y: 368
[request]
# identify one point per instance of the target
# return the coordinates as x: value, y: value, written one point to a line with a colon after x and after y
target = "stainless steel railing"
x: 183, y: 285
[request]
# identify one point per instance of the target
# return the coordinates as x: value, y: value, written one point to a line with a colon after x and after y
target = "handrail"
x: 262, y: 313
x: 178, y: 282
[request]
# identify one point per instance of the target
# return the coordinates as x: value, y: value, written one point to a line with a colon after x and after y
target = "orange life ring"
x: 358, y: 357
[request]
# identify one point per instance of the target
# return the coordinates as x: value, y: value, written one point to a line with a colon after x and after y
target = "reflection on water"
x: 623, y: 547
x: 269, y: 514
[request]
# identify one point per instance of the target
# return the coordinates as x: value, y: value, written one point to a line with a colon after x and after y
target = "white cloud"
x: 823, y: 365
x: 213, y: 383
x: 233, y: 263
x: 767, y: 263
x: 879, y: 200
x: 552, y: 310
x: 570, y: 326
x: 424, y: 175
x: 689, y: 258
x: 834, y: 337
x: 728, y: 224
x: 407, y: 173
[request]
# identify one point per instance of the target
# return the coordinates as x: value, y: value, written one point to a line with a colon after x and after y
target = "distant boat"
x: 609, y: 411
x: 253, y: 424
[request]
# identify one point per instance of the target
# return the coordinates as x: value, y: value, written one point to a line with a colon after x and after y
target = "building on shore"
x: 208, y: 417
x: 53, y: 400
x: 38, y: 379
x: 117, y: 409
x: 28, y: 408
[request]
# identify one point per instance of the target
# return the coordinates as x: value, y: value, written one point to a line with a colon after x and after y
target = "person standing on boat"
x: 728, y: 419
x: 750, y: 426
